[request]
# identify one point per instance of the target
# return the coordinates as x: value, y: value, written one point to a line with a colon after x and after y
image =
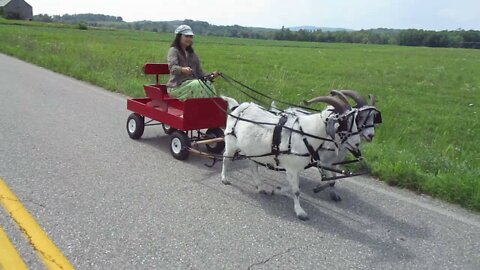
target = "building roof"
x: 4, y: 2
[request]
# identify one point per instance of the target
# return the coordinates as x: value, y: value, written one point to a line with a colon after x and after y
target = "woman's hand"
x: 187, y: 70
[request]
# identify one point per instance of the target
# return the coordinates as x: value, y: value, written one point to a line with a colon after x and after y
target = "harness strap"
x: 269, y: 166
x: 311, y: 151
x: 356, y: 154
x: 277, y: 137
x: 291, y: 133
x: 366, y: 126
x: 377, y: 118
x: 270, y: 124
x: 273, y: 168
x: 232, y: 133
x: 230, y: 79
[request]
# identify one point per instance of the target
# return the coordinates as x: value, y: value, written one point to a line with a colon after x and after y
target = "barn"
x: 16, y: 9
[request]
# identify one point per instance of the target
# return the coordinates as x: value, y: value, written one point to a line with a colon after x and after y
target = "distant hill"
x: 410, y: 37
x: 324, y: 29
x: 199, y: 27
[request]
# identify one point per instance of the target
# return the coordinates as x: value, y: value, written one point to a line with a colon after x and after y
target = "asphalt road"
x: 109, y: 202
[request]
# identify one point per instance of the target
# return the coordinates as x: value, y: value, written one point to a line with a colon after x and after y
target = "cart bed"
x: 190, y: 114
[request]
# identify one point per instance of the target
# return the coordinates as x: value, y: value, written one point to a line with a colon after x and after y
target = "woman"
x: 185, y: 68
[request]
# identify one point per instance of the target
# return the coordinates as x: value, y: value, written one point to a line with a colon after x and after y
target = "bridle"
x: 377, y: 117
x: 346, y: 122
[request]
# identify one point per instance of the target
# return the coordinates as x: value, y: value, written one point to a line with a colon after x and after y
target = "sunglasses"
x: 188, y: 36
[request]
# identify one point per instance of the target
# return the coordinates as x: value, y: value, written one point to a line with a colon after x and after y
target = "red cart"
x: 184, y: 120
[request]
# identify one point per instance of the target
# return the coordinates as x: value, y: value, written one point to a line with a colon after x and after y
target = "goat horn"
x: 341, y: 96
x: 355, y: 96
x: 339, y: 106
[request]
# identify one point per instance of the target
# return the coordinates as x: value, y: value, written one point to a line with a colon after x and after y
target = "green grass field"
x: 429, y: 98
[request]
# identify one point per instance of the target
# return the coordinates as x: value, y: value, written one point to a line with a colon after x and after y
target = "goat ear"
x: 332, y: 126
x: 372, y: 99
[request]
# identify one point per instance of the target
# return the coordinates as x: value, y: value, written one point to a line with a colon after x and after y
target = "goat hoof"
x: 334, y: 196
x: 226, y: 182
x: 303, y: 217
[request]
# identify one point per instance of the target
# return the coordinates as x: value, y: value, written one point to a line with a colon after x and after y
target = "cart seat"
x: 157, y: 90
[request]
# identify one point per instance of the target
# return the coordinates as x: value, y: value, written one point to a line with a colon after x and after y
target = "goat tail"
x: 232, y: 103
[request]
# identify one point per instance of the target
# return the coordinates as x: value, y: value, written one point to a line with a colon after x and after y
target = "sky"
x: 351, y: 14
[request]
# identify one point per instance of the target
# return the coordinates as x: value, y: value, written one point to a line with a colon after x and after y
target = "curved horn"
x: 341, y: 96
x: 355, y: 96
x: 339, y: 106
x: 372, y: 99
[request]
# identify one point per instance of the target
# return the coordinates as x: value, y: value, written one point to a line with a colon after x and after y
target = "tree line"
x: 412, y: 37
x: 77, y: 18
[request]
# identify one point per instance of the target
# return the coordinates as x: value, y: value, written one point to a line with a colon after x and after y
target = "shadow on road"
x: 353, y: 218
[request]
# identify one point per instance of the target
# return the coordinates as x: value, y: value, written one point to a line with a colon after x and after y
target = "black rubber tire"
x: 136, y: 128
x: 168, y: 130
x: 216, y: 148
x: 179, y: 141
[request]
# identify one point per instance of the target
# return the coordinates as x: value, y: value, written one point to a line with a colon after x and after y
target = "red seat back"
x: 155, y: 69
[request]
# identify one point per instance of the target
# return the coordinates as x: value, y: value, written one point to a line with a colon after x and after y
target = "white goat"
x: 366, y: 118
x: 253, y: 138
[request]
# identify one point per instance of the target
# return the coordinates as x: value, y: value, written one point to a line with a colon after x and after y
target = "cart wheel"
x: 168, y: 129
x: 217, y: 147
x: 135, y: 126
x: 178, y: 143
